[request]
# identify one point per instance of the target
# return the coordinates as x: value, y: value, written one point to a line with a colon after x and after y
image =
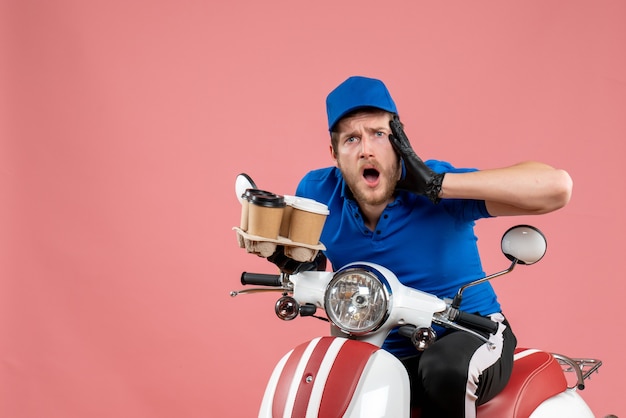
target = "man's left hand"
x: 419, y: 178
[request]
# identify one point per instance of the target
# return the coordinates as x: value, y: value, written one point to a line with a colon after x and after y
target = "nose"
x: 366, y: 147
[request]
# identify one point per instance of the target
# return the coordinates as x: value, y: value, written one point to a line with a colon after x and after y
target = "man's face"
x: 366, y: 158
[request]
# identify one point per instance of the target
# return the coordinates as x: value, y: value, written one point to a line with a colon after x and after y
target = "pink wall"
x: 123, y: 125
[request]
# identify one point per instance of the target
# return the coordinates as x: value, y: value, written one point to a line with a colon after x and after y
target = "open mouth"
x: 371, y: 175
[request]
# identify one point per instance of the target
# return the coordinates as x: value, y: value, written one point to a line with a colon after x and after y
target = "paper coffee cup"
x: 286, y: 221
x: 245, y: 202
x: 243, y: 223
x: 307, y: 221
x: 265, y: 214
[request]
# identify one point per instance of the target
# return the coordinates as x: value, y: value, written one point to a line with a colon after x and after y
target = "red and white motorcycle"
x: 348, y: 374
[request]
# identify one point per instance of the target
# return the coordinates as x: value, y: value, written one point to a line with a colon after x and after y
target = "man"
x: 389, y: 207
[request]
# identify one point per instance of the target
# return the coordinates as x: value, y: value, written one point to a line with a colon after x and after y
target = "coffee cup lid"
x: 289, y: 199
x: 310, y: 205
x: 247, y: 195
x: 268, y: 200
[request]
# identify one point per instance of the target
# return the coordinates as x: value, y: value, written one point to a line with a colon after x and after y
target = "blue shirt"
x: 429, y: 247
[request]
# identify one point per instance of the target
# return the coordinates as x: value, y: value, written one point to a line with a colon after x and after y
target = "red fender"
x: 340, y: 383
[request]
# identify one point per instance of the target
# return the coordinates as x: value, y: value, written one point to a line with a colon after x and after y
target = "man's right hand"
x: 290, y: 266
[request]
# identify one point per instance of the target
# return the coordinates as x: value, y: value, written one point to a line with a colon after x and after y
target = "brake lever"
x: 442, y: 319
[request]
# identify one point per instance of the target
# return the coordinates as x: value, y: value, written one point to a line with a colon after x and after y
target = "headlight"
x: 357, y: 299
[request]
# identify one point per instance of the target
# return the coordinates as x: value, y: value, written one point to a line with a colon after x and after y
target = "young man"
x: 389, y: 207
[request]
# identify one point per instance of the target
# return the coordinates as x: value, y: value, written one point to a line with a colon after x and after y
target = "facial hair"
x: 370, y: 198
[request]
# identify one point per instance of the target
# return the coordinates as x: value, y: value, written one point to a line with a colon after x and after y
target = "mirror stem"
x: 456, y: 302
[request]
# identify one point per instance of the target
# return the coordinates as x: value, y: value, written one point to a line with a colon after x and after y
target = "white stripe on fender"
x: 320, y: 377
x: 295, y: 383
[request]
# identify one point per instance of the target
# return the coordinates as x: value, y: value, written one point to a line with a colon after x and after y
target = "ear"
x: 332, y: 153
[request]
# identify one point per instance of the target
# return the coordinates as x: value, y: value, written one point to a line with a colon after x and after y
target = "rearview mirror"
x: 524, y: 244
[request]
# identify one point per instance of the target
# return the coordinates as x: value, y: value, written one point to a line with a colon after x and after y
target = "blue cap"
x: 355, y: 93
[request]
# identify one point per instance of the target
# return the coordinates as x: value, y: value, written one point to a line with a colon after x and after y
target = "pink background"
x: 124, y: 123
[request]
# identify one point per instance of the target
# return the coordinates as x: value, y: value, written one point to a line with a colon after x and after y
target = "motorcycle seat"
x: 536, y: 376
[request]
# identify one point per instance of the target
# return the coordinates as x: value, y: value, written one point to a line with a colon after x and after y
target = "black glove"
x: 419, y: 179
x: 290, y: 266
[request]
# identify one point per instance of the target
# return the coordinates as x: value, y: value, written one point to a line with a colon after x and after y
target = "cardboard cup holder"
x: 269, y: 220
x: 264, y: 247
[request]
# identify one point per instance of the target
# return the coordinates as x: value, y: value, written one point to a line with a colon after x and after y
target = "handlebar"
x: 476, y: 322
x: 260, y: 279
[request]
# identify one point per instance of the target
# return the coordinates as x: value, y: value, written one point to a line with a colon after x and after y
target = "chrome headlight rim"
x: 372, y: 273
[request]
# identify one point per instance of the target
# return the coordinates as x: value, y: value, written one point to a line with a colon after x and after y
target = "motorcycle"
x: 348, y: 374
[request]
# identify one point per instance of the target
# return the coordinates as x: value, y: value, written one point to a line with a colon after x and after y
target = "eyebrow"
x: 356, y: 132
x: 348, y: 134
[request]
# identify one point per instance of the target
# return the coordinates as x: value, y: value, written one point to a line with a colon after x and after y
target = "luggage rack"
x: 582, y: 367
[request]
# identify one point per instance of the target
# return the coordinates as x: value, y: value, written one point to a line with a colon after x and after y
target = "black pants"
x: 459, y: 371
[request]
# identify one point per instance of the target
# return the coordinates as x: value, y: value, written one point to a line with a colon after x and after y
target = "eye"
x: 351, y: 139
x: 381, y: 134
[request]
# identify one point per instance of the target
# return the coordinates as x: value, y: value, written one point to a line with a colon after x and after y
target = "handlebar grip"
x: 477, y: 322
x: 259, y: 279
